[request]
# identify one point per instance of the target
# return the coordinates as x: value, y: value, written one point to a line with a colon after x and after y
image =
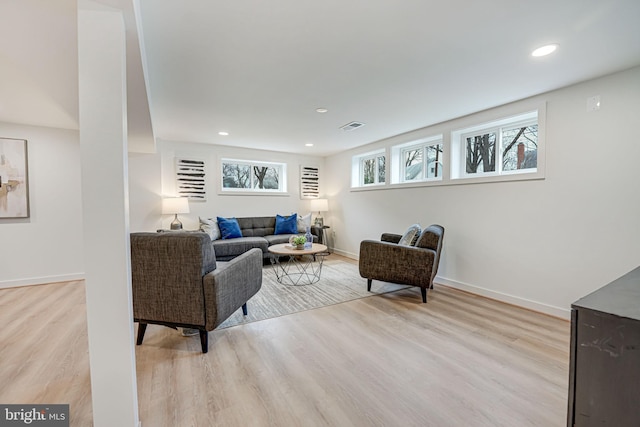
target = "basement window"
x: 253, y: 176
x: 369, y: 169
x: 508, y: 146
x: 417, y: 161
x: 470, y: 150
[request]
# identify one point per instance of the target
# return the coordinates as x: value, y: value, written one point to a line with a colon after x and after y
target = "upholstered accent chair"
x: 178, y: 283
x: 415, y: 265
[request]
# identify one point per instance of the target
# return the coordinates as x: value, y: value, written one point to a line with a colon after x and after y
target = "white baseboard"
x: 562, y: 313
x: 345, y: 254
x: 40, y: 280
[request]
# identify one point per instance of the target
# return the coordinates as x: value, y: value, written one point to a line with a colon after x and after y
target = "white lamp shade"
x: 175, y: 205
x: 319, y: 205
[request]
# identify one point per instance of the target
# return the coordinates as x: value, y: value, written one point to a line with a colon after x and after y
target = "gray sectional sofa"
x: 257, y: 232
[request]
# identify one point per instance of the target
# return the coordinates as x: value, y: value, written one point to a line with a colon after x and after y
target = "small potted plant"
x: 298, y: 242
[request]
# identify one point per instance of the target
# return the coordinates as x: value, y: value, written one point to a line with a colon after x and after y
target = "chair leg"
x: 204, y: 340
x: 369, y: 284
x: 244, y: 308
x: 424, y: 294
x: 142, y: 327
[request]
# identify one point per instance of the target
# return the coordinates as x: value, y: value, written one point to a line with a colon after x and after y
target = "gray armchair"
x: 177, y: 282
x: 416, y: 265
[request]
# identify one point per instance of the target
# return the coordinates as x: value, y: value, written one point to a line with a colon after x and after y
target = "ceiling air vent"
x: 351, y: 126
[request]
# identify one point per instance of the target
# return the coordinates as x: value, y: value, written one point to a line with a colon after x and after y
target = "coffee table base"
x: 298, y: 270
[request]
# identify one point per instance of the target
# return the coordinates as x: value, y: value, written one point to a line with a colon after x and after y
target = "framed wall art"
x: 190, y: 182
x: 14, y: 184
x: 309, y: 182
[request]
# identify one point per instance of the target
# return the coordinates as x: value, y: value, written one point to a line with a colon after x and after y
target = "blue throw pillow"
x: 286, y: 224
x: 229, y: 228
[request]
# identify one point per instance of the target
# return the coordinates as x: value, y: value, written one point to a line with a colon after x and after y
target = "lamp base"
x: 176, y: 224
x: 319, y: 221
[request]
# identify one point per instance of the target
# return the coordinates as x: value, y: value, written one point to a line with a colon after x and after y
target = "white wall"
x: 47, y: 246
x: 151, y: 176
x: 541, y: 244
x: 144, y: 192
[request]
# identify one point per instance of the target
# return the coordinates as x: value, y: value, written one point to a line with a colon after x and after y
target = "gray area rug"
x: 340, y: 281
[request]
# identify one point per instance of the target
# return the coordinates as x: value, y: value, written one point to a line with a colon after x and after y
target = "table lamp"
x: 175, y: 206
x: 320, y: 205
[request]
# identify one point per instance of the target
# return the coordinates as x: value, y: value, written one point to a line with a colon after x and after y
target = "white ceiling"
x: 259, y: 69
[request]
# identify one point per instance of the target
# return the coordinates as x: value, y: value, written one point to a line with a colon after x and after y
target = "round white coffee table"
x: 301, y: 266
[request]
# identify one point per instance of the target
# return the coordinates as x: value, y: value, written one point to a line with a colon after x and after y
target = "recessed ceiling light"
x: 223, y: 133
x: 321, y: 110
x: 544, y: 50
x: 308, y: 144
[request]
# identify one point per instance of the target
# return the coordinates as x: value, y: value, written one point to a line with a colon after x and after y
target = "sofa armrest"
x: 390, y: 237
x: 231, y: 285
x: 390, y: 262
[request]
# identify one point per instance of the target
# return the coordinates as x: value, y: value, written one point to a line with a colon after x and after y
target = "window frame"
x: 458, y: 173
x: 454, y: 151
x: 514, y: 125
x: 463, y: 157
x: 398, y: 155
x: 358, y: 161
x: 282, y: 179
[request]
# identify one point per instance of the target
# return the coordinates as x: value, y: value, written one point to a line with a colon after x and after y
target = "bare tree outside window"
x: 369, y: 171
x: 481, y: 153
x: 235, y: 175
x: 373, y: 169
x: 518, y: 145
x: 248, y: 175
x: 520, y: 148
x: 434, y: 156
x: 382, y: 167
x: 413, y: 164
x: 422, y: 162
x: 266, y: 178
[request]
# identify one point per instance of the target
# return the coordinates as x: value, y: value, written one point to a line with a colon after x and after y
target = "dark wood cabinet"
x: 604, y: 375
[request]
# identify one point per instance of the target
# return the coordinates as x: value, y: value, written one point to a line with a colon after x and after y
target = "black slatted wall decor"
x: 190, y: 179
x: 309, y: 182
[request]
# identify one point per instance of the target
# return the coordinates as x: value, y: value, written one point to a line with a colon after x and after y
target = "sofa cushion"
x: 286, y: 224
x: 410, y: 236
x: 233, y: 247
x: 210, y: 226
x: 229, y: 228
x: 304, y: 221
x: 276, y: 239
x: 257, y: 226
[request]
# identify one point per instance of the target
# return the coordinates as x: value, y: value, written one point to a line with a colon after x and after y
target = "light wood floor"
x: 389, y: 360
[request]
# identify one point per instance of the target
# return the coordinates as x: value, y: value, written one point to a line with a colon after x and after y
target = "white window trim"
x: 463, y: 151
x: 458, y: 174
x: 397, y: 172
x: 357, y: 169
x: 452, y: 165
x: 282, y: 191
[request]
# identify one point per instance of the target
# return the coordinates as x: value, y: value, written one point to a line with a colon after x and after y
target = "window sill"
x: 253, y: 193
x: 459, y: 181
